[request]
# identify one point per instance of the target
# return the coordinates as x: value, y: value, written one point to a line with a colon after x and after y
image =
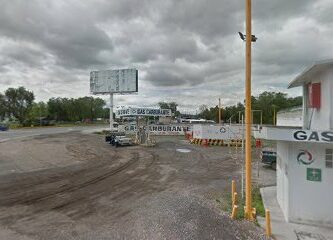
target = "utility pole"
x: 248, y: 124
x: 111, y: 112
x: 242, y: 156
x: 220, y: 114
x: 274, y: 115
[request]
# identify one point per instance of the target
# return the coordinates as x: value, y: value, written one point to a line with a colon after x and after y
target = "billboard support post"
x: 111, y: 111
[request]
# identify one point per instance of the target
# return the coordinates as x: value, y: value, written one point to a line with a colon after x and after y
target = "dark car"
x: 268, y: 156
x: 3, y: 127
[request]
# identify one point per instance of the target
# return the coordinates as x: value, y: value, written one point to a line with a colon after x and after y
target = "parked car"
x: 268, y: 156
x: 3, y: 127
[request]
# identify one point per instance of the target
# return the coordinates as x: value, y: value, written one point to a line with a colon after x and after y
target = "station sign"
x: 132, y: 112
x: 295, y: 135
x: 172, y: 129
x: 313, y: 136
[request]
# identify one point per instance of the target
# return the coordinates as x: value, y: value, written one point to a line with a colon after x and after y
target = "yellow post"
x: 234, y: 212
x: 235, y: 200
x: 233, y: 190
x: 268, y: 223
x: 219, y: 110
x: 248, y: 157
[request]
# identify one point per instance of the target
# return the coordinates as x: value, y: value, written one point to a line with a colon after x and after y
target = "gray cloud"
x: 64, y: 29
x: 182, y: 48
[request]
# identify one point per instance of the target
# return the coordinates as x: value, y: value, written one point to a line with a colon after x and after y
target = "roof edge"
x: 295, y: 82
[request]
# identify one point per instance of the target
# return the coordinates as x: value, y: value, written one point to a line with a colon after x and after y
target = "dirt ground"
x: 76, y: 186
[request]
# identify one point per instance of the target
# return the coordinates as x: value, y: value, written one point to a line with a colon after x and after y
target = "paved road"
x: 29, y: 132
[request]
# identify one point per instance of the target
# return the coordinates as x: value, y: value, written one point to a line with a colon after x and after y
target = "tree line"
x: 263, y: 107
x: 19, y: 104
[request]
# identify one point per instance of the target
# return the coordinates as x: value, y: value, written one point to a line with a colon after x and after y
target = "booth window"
x: 329, y: 158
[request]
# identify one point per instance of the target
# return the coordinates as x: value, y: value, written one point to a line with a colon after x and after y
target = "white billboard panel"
x: 114, y: 81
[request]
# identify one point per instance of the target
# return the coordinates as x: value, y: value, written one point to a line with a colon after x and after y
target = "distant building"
x: 291, y: 117
x: 165, y: 120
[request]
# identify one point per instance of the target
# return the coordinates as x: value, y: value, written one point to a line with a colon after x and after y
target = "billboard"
x: 114, y: 81
x: 129, y: 112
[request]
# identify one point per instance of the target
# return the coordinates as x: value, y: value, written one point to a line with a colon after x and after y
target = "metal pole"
x: 242, y: 156
x: 111, y: 111
x: 219, y: 110
x: 40, y: 115
x: 274, y: 121
x: 248, y: 157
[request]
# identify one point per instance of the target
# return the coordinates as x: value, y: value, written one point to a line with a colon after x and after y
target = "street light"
x: 243, y: 37
x: 248, y: 122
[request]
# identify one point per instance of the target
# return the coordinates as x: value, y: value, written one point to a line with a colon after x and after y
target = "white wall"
x: 204, y: 131
x: 320, y: 119
x: 290, y: 119
x: 309, y: 202
x: 330, y: 98
x: 282, y: 189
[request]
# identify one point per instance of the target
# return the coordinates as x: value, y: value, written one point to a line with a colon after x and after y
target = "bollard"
x: 235, y: 200
x: 254, y: 213
x: 206, y: 142
x: 268, y: 223
x: 234, y: 212
x: 233, y: 190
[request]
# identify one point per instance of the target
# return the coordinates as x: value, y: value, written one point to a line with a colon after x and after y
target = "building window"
x: 329, y: 158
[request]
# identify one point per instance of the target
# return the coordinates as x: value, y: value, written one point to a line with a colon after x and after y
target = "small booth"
x: 305, y: 155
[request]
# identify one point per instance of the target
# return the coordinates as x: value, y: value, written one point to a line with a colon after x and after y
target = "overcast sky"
x: 185, y: 51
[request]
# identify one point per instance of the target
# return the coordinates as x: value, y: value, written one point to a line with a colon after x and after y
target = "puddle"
x: 183, y: 150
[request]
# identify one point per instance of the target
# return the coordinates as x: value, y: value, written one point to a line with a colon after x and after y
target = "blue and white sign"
x: 130, y: 112
x: 172, y: 129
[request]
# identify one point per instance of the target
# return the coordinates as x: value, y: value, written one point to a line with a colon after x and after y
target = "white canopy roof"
x: 311, y: 73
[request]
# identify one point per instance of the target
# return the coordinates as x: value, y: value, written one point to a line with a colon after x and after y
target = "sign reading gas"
x: 126, y: 112
x: 313, y: 136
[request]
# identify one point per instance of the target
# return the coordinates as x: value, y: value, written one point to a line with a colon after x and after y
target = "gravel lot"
x: 75, y: 186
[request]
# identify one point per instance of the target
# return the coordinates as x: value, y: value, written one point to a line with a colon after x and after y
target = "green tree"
x: 170, y: 105
x: 266, y: 103
x: 70, y: 109
x: 18, y: 102
x: 37, y: 111
x: 2, y: 107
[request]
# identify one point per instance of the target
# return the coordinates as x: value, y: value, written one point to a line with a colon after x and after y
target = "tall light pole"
x: 248, y: 124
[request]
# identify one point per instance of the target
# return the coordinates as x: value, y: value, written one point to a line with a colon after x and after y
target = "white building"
x: 291, y: 117
x: 305, y: 156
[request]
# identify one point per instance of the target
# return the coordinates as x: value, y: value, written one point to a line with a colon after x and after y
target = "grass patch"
x: 225, y: 203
